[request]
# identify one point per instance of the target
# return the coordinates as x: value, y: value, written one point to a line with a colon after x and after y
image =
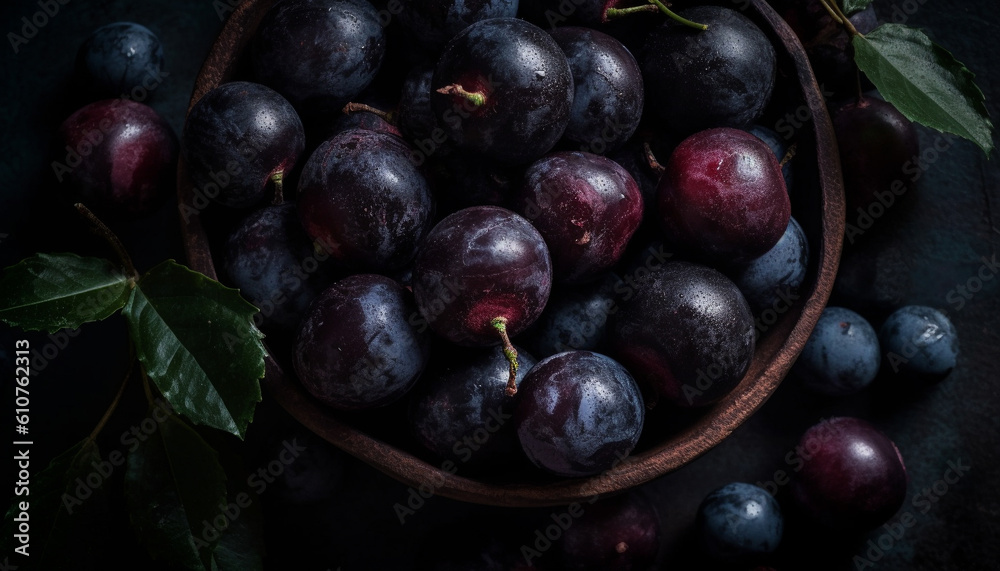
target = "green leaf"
x: 65, y: 512
x: 197, y: 342
x: 925, y: 82
x: 53, y: 291
x: 241, y: 547
x: 851, y: 6
x: 174, y: 487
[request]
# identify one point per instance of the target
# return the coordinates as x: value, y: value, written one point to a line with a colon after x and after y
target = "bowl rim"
x: 719, y: 420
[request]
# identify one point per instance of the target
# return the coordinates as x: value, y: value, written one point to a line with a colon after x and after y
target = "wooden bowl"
x: 818, y: 204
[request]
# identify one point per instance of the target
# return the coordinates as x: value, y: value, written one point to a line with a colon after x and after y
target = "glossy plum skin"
x: 118, y: 154
x: 608, y: 90
x: 237, y: 137
x: 587, y: 208
x: 461, y: 412
x: 723, y: 76
x: 685, y: 330
x: 772, y: 281
x: 919, y: 341
x: 579, y: 413
x: 319, y: 54
x: 739, y: 521
x: 267, y: 259
x: 876, y: 144
x: 118, y: 57
x: 779, y: 146
x: 621, y: 533
x: 356, y: 348
x: 525, y: 80
x: 853, y: 476
x: 364, y: 201
x: 723, y: 196
x: 434, y: 22
x: 842, y: 355
x: 479, y: 264
x: 575, y: 318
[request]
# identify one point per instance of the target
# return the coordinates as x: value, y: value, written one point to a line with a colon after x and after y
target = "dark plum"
x: 772, y: 281
x: 827, y: 42
x: 587, y: 208
x: 434, y: 22
x: 842, y: 355
x: 416, y: 118
x: 779, y: 146
x: 608, y: 91
x: 738, y: 522
x: 579, y: 413
x: 723, y: 196
x: 121, y: 59
x: 319, y: 54
x: 877, y: 144
x: 268, y: 259
x: 575, y: 318
x: 720, y: 77
x: 685, y: 330
x: 633, y: 158
x: 477, y: 266
x: 356, y: 348
x: 119, y: 155
x: 854, y: 476
x: 503, y: 88
x: 615, y: 534
x: 460, y: 411
x: 237, y: 138
x: 919, y: 341
x: 364, y: 201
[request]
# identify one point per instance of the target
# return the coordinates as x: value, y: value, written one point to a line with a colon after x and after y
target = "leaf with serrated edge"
x: 924, y: 82
x: 64, y: 514
x: 49, y: 292
x: 241, y: 545
x: 197, y: 341
x: 852, y: 6
x: 173, y: 485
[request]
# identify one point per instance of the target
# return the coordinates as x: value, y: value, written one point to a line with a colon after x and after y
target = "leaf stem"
x: 500, y: 324
x: 684, y: 21
x: 102, y: 229
x: 843, y: 17
x: 118, y: 396
x: 832, y: 13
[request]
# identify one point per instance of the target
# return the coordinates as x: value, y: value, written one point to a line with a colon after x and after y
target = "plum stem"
x: 104, y: 232
x: 663, y: 8
x: 615, y: 13
x: 500, y: 324
x: 621, y: 547
x: 278, y: 179
x: 387, y: 116
x: 789, y: 155
x: 477, y: 98
x: 654, y: 164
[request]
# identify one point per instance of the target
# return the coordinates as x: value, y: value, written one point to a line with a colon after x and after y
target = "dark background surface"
x: 919, y: 256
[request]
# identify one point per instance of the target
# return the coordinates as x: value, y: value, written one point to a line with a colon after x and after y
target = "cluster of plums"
x: 458, y: 206
x: 474, y: 231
